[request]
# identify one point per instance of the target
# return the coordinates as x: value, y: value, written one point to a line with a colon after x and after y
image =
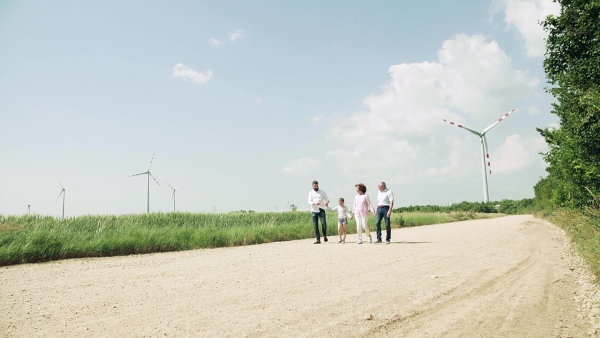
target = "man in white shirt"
x: 318, y: 201
x: 385, y: 204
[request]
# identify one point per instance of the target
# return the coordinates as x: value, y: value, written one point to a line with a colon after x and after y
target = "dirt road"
x: 506, y: 277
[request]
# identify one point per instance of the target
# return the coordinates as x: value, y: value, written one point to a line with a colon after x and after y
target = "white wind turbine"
x: 147, y: 172
x: 28, y: 208
x: 173, y: 195
x: 484, y: 149
x: 63, y: 193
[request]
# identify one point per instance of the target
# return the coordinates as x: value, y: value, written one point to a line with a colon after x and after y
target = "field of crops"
x: 28, y: 239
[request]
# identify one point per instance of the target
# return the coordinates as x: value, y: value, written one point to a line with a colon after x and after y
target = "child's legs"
x: 340, y: 229
x: 345, y: 228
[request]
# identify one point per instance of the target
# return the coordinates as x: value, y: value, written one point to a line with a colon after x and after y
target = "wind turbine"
x: 484, y: 149
x: 28, y: 207
x: 173, y: 196
x: 63, y: 193
x: 147, y: 172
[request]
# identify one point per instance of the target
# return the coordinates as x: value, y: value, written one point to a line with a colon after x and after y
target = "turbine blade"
x: 463, y: 127
x: 498, y: 121
x: 149, y: 173
x: 61, y: 192
x: 173, y: 195
x: 150, y: 162
x: 139, y: 174
x: 61, y: 186
x: 170, y: 185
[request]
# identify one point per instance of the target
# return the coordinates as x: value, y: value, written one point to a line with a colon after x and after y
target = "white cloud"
x: 401, y: 135
x: 316, y: 119
x: 301, y: 165
x: 231, y: 37
x: 238, y: 34
x: 215, y: 42
x: 516, y: 153
x: 188, y: 74
x: 525, y: 16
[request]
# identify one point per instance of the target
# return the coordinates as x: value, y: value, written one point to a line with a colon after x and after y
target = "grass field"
x: 29, y: 239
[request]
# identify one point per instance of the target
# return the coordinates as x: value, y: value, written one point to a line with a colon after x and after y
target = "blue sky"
x: 245, y: 103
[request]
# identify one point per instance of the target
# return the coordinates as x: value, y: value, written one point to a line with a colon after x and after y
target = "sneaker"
x: 379, y: 241
x: 343, y: 242
x: 340, y: 241
x: 359, y: 242
x: 317, y: 242
x: 387, y: 242
x: 325, y: 239
x: 370, y: 239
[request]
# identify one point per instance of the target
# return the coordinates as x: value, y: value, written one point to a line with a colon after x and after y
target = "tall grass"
x: 583, y: 227
x: 28, y: 239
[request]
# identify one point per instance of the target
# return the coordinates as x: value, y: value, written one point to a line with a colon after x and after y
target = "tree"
x: 572, y: 68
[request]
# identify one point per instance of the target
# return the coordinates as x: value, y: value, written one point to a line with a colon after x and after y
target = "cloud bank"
x: 401, y: 134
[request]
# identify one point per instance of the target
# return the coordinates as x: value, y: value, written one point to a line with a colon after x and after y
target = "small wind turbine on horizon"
x: 28, y: 208
x: 484, y: 149
x: 63, y: 193
x: 147, y: 172
x: 173, y: 195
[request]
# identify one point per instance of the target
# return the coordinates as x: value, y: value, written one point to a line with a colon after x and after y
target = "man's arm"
x: 389, y: 213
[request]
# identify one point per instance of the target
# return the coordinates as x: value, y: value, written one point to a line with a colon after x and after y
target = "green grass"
x: 29, y: 239
x: 583, y: 228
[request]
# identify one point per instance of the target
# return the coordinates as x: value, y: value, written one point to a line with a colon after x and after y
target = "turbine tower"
x: 173, y: 195
x: 484, y: 149
x: 147, y: 172
x: 28, y: 208
x: 63, y: 193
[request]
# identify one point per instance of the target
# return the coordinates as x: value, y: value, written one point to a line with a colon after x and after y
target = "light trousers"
x: 361, y: 223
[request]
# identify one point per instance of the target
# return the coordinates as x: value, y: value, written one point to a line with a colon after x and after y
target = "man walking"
x: 385, y: 204
x: 318, y: 201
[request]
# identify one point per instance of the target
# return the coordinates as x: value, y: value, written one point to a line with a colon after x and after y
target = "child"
x: 343, y: 215
x: 361, y: 207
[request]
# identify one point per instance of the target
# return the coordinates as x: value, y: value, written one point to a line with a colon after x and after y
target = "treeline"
x: 572, y: 69
x: 505, y: 206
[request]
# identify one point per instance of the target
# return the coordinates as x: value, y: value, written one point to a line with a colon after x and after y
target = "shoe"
x: 370, y: 239
x: 387, y: 242
x: 340, y: 241
x: 325, y: 239
x: 359, y: 242
x: 317, y: 242
x: 379, y: 241
x: 343, y: 242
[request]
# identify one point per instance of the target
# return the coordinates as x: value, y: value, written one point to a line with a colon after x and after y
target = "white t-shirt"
x: 319, y: 197
x: 385, y: 197
x: 341, y: 210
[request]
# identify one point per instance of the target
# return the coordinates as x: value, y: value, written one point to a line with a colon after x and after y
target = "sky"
x: 242, y: 104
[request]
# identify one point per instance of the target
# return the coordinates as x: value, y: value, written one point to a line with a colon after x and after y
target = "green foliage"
x: 571, y: 65
x: 505, y: 206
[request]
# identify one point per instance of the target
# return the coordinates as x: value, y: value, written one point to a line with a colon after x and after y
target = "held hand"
x: 389, y: 214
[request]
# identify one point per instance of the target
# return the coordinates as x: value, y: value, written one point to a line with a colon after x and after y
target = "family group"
x: 319, y: 202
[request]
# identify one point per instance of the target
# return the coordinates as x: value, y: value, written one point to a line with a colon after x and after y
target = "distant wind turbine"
x: 63, y: 193
x: 28, y: 208
x: 173, y: 195
x: 484, y: 149
x: 147, y: 172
